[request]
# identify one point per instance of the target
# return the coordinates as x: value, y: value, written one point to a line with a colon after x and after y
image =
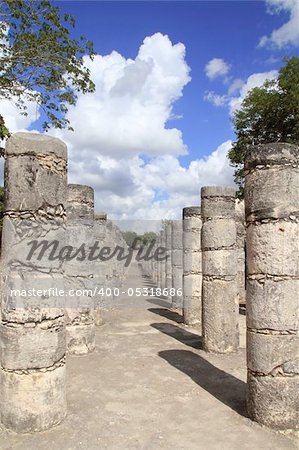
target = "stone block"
x: 273, y: 401
x: 33, y: 401
x: 272, y: 248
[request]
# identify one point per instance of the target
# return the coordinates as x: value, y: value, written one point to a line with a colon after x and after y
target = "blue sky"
x: 226, y: 29
x: 168, y: 76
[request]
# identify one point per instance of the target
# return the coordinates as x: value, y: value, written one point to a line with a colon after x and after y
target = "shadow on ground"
x: 225, y: 387
x: 182, y: 335
x: 159, y: 302
x: 171, y: 315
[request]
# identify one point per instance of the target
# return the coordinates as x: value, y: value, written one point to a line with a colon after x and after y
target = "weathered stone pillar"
x: 272, y: 216
x: 120, y: 270
x: 159, y: 262
x: 192, y: 266
x: 145, y: 264
x: 101, y: 270
x: 240, y: 250
x: 177, y: 263
x: 219, y: 295
x: 168, y: 230
x: 155, y: 263
x: 80, y: 325
x: 32, y: 382
x: 163, y: 262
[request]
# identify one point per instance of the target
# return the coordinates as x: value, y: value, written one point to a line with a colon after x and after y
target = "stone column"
x: 155, y: 264
x: 163, y: 262
x: 101, y: 271
x: 158, y: 263
x: 219, y: 295
x: 272, y: 216
x: 108, y: 300
x: 192, y: 266
x: 114, y: 239
x: 168, y: 230
x: 32, y: 333
x: 240, y: 249
x: 80, y: 325
x: 147, y: 264
x: 177, y: 263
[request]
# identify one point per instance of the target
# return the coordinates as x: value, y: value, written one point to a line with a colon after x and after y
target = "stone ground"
x: 149, y: 386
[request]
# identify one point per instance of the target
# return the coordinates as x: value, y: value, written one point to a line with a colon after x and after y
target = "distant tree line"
x: 131, y: 237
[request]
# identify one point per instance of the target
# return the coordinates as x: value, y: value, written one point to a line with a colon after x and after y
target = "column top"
x: 277, y: 153
x: 22, y: 143
x: 190, y: 211
x: 79, y: 193
x: 218, y: 191
x: 100, y: 216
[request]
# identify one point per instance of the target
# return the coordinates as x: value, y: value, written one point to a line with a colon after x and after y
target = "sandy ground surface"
x: 149, y: 386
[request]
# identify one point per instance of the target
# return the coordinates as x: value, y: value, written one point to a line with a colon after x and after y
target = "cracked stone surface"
x: 272, y: 210
x: 220, y: 301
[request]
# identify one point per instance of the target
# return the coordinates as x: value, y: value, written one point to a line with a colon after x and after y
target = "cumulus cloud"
x: 123, y: 146
x: 288, y: 33
x: 128, y: 113
x: 132, y: 189
x: 216, y: 67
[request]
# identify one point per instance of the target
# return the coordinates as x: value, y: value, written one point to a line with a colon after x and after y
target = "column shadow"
x: 159, y: 302
x: 171, y: 315
x: 180, y: 334
x: 225, y: 387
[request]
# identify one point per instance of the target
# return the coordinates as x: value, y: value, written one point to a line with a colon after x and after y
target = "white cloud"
x: 130, y: 189
x: 215, y: 99
x: 128, y: 113
x: 125, y: 119
x: 14, y: 120
x: 238, y: 90
x: 216, y: 67
x: 288, y: 33
x: 235, y: 86
x: 122, y: 146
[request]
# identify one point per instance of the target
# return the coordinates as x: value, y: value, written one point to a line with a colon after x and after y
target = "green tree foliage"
x: 148, y: 237
x: 132, y: 238
x: 269, y: 113
x: 39, y: 61
x: 129, y: 237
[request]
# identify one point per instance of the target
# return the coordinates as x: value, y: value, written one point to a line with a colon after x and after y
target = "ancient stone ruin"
x: 220, y: 307
x: 51, y: 236
x: 36, y: 332
x: 192, y: 266
x: 80, y: 322
x: 33, y: 332
x: 272, y: 206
